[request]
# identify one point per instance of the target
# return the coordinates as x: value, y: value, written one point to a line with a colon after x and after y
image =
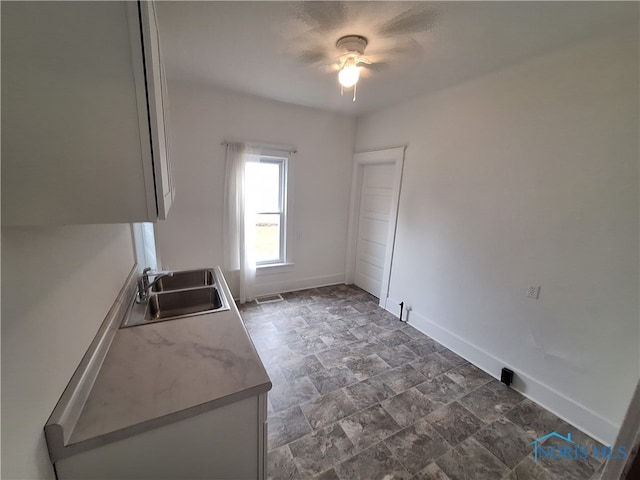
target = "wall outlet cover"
x: 506, y: 376
x: 533, y: 291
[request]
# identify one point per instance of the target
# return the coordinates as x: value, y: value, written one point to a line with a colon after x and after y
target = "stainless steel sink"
x: 185, y: 279
x: 183, y: 294
x: 184, y: 303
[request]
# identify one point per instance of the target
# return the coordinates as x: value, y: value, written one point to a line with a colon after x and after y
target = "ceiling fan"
x: 353, y: 47
x: 335, y: 36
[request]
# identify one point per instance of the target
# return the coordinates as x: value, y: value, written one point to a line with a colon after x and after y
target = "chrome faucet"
x: 144, y: 286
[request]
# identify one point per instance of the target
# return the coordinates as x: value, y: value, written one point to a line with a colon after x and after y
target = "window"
x: 266, y: 187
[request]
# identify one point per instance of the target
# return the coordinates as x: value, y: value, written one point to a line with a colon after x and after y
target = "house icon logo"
x: 570, y: 450
x: 537, y: 443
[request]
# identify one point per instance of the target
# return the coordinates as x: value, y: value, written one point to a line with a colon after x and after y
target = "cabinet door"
x: 72, y: 150
x: 158, y: 109
x: 219, y: 444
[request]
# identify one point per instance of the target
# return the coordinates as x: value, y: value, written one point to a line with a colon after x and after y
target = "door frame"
x: 393, y: 156
x: 628, y: 436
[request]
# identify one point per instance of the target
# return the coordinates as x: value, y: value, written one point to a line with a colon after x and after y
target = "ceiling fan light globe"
x: 349, y: 76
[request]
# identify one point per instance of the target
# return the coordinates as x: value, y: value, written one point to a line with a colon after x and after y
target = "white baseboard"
x: 264, y: 286
x: 556, y: 402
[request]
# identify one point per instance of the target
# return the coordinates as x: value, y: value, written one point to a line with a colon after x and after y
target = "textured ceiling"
x: 285, y: 50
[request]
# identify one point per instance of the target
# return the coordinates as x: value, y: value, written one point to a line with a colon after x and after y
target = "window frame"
x: 281, y: 159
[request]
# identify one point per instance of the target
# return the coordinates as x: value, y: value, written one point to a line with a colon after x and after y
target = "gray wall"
x: 320, y: 179
x: 528, y: 176
x: 58, y: 283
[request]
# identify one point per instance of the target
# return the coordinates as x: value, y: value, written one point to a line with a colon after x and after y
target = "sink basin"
x: 185, y: 294
x: 171, y: 305
x: 185, y: 279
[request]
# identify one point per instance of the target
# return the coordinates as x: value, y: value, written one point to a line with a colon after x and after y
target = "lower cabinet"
x: 226, y: 443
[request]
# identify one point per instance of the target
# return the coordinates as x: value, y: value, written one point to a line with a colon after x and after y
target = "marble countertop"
x: 158, y: 373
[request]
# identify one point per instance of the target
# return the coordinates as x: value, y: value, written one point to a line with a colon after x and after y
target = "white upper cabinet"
x: 158, y: 107
x: 84, y: 114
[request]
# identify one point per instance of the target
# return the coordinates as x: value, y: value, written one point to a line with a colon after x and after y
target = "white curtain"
x: 239, y: 223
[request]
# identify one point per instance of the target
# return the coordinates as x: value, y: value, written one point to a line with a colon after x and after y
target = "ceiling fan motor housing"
x: 352, y: 43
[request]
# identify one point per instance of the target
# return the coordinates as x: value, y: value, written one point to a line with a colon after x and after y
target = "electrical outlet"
x: 533, y: 291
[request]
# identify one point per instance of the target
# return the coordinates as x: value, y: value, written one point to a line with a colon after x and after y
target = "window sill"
x: 274, y: 268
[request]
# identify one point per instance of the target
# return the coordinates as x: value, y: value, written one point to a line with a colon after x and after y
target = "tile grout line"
x: 389, y: 398
x: 386, y: 328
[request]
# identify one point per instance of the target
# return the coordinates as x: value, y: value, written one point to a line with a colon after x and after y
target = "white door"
x: 373, y: 226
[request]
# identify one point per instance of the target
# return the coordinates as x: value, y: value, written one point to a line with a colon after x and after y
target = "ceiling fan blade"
x: 324, y: 16
x: 405, y: 47
x: 377, y: 66
x: 312, y: 56
x: 331, y: 68
x: 415, y: 20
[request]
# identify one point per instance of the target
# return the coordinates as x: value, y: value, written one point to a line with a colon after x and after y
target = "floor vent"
x: 269, y: 299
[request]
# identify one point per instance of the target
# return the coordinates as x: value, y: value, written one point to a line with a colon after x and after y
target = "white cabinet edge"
x: 133, y: 17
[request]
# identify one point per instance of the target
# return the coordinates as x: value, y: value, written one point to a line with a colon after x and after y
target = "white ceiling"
x: 255, y: 47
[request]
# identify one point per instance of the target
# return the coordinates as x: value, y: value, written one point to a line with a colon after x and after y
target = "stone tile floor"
x: 357, y: 394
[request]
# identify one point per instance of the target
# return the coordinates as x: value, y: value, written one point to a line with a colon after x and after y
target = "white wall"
x: 58, y: 283
x: 201, y: 118
x: 528, y: 176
